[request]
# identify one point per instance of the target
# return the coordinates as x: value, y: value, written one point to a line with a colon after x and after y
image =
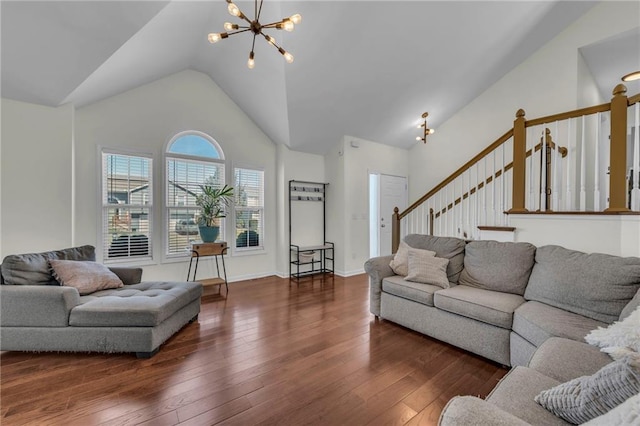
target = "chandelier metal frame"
x: 287, y: 24
x: 427, y: 130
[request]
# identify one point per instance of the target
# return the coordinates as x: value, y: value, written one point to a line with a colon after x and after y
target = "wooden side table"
x: 209, y: 249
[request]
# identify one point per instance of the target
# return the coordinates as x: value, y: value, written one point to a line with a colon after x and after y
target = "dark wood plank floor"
x: 270, y: 353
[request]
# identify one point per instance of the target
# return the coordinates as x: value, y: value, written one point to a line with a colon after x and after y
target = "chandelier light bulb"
x: 288, y: 25
x: 214, y: 37
x: 229, y: 26
x: 296, y: 19
x: 251, y: 62
x: 418, y: 138
x: 288, y: 57
x: 233, y: 9
x: 271, y: 40
x: 430, y: 131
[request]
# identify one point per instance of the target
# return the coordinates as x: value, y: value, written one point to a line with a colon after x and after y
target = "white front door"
x: 393, y: 193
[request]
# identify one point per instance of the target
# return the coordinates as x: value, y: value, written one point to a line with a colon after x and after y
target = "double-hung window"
x: 249, y: 207
x: 126, y: 206
x: 193, y: 159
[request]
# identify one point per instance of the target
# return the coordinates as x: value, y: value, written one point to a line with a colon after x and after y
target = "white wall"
x: 36, y: 169
x: 357, y: 163
x: 545, y: 83
x: 616, y: 235
x: 144, y: 119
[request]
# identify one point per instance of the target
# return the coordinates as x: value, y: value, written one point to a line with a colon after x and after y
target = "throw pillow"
x: 618, y: 338
x: 427, y: 269
x: 87, y: 277
x: 627, y: 413
x: 587, y: 397
x: 400, y: 262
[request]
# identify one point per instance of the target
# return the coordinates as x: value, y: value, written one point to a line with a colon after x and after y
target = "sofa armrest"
x: 469, y: 410
x: 378, y: 269
x: 127, y: 275
x: 36, y: 305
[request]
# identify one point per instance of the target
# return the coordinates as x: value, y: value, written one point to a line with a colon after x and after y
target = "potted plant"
x: 212, y: 202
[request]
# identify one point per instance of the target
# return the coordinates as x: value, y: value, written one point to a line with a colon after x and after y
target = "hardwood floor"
x: 271, y: 353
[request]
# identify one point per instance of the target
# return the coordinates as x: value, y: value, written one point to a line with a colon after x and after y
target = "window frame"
x: 167, y: 256
x: 261, y: 247
x: 104, y: 206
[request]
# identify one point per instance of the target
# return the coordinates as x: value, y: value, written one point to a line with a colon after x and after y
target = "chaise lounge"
x: 37, y: 313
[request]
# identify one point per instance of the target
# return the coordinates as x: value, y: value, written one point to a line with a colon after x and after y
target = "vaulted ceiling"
x: 367, y: 69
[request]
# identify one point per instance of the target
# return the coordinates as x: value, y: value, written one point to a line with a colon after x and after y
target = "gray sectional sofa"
x: 516, y: 304
x: 38, y: 314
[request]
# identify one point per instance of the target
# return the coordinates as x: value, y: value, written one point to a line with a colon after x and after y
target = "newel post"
x: 395, y: 230
x: 519, y: 161
x: 618, y: 151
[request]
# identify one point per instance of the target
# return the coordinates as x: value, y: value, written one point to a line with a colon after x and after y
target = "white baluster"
x: 502, y: 186
x: 484, y: 192
x: 476, y: 218
x: 568, y: 205
x: 554, y: 175
x: 543, y: 172
x: 596, y: 183
x: 635, y: 176
x: 493, y: 189
x: 532, y: 201
x: 583, y: 177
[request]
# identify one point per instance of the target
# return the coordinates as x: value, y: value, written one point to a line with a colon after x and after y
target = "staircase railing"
x: 567, y: 162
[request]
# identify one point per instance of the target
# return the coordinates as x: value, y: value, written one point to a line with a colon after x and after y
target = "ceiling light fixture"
x: 632, y: 76
x: 427, y: 131
x: 287, y: 24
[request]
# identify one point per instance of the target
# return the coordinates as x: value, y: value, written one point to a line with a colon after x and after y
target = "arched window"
x: 192, y: 159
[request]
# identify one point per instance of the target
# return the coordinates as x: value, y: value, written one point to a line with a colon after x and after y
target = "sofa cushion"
x: 86, y: 277
x: 418, y: 292
x: 140, y: 305
x: 498, y: 266
x: 492, y: 307
x: 595, y: 285
x: 400, y: 262
x: 33, y: 268
x: 515, y: 394
x: 448, y: 247
x: 587, y: 397
x: 565, y: 359
x: 427, y: 269
x: 536, y: 322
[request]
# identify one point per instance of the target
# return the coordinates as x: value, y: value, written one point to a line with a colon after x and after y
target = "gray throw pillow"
x: 595, y: 285
x: 400, y: 262
x: 427, y: 269
x: 498, y: 266
x: 446, y: 247
x: 33, y: 268
x: 587, y: 397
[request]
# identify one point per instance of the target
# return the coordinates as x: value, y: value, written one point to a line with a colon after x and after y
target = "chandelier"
x: 427, y: 131
x: 256, y: 28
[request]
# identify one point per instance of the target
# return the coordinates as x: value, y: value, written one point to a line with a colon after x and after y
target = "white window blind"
x: 126, y: 206
x: 184, y: 180
x: 249, y: 209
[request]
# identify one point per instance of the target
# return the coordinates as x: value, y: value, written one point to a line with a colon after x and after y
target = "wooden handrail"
x: 567, y: 115
x: 562, y: 150
x: 502, y: 139
x: 633, y: 99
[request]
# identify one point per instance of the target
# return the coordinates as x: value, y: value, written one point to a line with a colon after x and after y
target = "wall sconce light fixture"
x: 427, y: 131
